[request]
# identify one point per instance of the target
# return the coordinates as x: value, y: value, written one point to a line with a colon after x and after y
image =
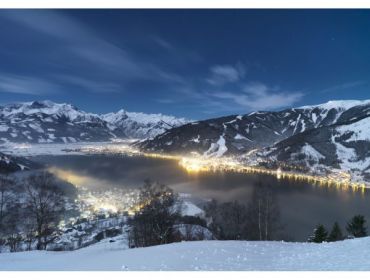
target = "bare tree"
x: 227, y: 220
x: 263, y: 214
x: 7, y: 199
x: 45, y: 205
x: 153, y: 224
x: 28, y: 229
x: 13, y: 228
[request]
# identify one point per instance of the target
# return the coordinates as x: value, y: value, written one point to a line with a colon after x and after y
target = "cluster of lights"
x: 200, y: 164
x: 92, y: 202
x: 106, y: 201
x: 197, y: 164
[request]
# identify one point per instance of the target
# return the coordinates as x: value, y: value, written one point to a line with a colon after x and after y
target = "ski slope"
x: 200, y: 255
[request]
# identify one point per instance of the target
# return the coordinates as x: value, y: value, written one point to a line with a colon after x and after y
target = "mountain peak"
x: 340, y: 104
x: 50, y: 122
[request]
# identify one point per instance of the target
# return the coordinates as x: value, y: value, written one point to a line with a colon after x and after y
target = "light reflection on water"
x: 302, y: 205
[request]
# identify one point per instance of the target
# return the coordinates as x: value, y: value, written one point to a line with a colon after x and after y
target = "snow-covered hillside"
x: 345, y: 146
x: 200, y: 255
x: 49, y: 122
x: 240, y: 134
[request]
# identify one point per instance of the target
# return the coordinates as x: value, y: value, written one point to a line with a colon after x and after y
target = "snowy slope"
x: 49, y: 122
x: 200, y: 255
x: 345, y: 146
x: 243, y: 133
x: 337, y: 104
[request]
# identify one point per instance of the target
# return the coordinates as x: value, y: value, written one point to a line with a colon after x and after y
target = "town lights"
x: 195, y: 163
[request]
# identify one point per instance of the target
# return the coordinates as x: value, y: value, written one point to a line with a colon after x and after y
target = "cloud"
x: 223, y: 74
x: 343, y: 86
x: 162, y: 42
x: 26, y: 85
x: 90, y: 85
x: 258, y: 96
x: 83, y: 48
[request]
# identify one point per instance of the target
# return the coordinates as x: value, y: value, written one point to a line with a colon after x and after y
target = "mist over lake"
x: 302, y: 205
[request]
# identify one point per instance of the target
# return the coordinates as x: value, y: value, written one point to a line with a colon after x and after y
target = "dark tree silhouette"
x: 7, y: 199
x: 319, y: 234
x: 356, y: 226
x: 336, y: 233
x: 260, y: 220
x: 228, y: 220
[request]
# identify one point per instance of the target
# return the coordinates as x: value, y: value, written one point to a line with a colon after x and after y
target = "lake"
x: 302, y: 204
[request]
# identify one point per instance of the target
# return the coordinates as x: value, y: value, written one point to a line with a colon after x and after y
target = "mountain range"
x: 335, y: 134
x: 49, y: 122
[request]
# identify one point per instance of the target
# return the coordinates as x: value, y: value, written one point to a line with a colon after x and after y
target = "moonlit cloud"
x: 162, y: 42
x: 222, y: 74
x: 79, y: 41
x: 26, y: 85
x: 258, y: 96
x: 90, y: 85
x: 86, y: 49
x: 150, y: 61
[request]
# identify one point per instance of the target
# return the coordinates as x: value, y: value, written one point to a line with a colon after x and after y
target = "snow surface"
x: 190, y: 209
x: 200, y: 255
x: 3, y: 128
x: 312, y: 152
x: 360, y: 130
x: 241, y: 137
x: 338, y: 104
x: 217, y: 149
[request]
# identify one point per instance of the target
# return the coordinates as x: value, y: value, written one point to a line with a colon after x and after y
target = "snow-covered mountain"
x: 243, y: 133
x: 49, y: 122
x: 140, y: 125
x: 344, y: 145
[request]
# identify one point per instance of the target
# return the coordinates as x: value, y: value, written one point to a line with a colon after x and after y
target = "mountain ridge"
x: 242, y: 133
x: 324, y: 137
x: 50, y: 122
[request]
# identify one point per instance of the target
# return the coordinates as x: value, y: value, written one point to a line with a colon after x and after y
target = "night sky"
x: 192, y: 63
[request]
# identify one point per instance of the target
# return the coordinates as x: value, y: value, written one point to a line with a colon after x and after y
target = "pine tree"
x: 356, y: 226
x: 319, y: 235
x: 336, y: 233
